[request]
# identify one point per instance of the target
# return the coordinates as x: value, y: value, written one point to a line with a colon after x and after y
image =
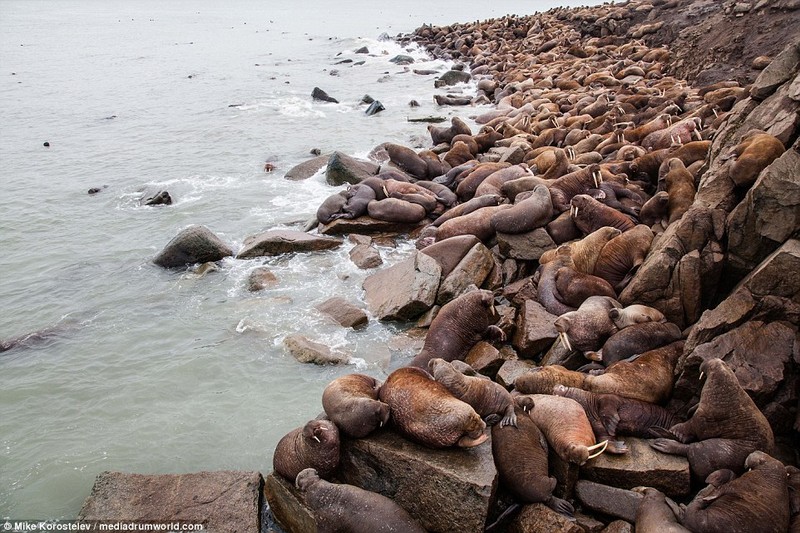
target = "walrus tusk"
x: 575, y: 215
x: 316, y: 438
x: 604, y: 444
x: 598, y: 179
x: 385, y: 192
x: 565, y: 340
x: 701, y: 375
x: 716, y: 115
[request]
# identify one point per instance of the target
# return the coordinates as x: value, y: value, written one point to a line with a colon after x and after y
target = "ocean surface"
x: 149, y: 370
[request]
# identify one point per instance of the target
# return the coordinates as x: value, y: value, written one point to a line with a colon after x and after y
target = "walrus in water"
x: 460, y: 325
x: 725, y: 428
x: 351, y: 402
x: 484, y: 395
x: 315, y: 445
x: 340, y: 507
x: 654, y: 514
x: 425, y: 411
x: 565, y: 426
x: 756, y: 501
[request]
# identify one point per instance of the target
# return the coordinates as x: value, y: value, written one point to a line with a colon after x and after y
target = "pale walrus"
x: 484, y: 395
x: 655, y: 515
x: 351, y: 402
x: 542, y: 379
x: 460, y: 324
x: 621, y: 257
x: 585, y: 251
x: 726, y: 427
x: 531, y: 213
x: 755, y: 153
x: 315, y: 445
x: 340, y: 507
x: 425, y: 411
x: 396, y: 210
x: 635, y: 314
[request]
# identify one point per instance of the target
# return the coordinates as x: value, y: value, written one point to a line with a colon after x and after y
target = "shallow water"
x: 151, y: 370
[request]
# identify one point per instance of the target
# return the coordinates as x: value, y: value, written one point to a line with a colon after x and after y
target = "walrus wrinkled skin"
x: 573, y: 287
x: 680, y: 188
x: 564, y: 424
x: 758, y: 500
x: 332, y: 206
x: 340, y: 507
x: 315, y: 445
x: 524, y: 216
x: 590, y: 215
x: 484, y: 395
x: 396, y: 210
x: 635, y: 314
x: 542, y: 379
x: 520, y: 456
x: 425, y: 411
x: 546, y: 290
x: 636, y: 339
x: 654, y: 514
x: 467, y: 208
x: 655, y: 210
x: 726, y: 427
x: 585, y: 251
x: 460, y: 325
x: 478, y: 223
x: 621, y: 257
x: 351, y: 402
x: 468, y: 184
x: 588, y: 327
x: 755, y: 153
x: 565, y: 188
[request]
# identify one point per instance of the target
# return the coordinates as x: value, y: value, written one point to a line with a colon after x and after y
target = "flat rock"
x: 471, y: 270
x: 538, y: 518
x: 405, y: 290
x: 778, y: 72
x: 450, y: 490
x: 287, y: 506
x: 536, y: 330
x: 308, y: 351
x: 526, y: 246
x: 306, y: 169
x: 641, y: 466
x: 222, y: 500
x: 365, y: 225
x: 195, y: 244
x: 277, y: 242
x: 343, y: 169
x: 343, y: 312
x: 612, y: 501
x: 449, y: 252
x: 513, y: 369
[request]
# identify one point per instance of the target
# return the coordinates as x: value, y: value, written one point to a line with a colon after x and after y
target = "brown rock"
x: 277, y: 242
x: 485, y: 359
x: 195, y: 244
x: 343, y: 312
x: 306, y: 169
x: 308, y: 351
x: 619, y: 526
x: 405, y: 290
x: 536, y: 330
x: 608, y: 500
x: 261, y: 278
x: 287, y: 506
x: 221, y: 501
x: 365, y: 226
x: 527, y: 246
x: 778, y: 72
x: 471, y: 270
x: 365, y: 256
x: 538, y: 518
x: 511, y: 370
x: 778, y: 114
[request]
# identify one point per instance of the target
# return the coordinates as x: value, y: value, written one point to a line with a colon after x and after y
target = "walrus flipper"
x: 561, y: 506
x: 510, y: 418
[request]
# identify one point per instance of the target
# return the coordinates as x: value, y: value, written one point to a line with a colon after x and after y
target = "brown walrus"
x: 484, y: 395
x: 407, y: 160
x: 478, y: 223
x: 524, y: 216
x: 680, y: 188
x: 564, y: 424
x: 467, y: 208
x: 755, y: 153
x: 656, y: 209
x: 351, y: 402
x: 634, y: 340
x: 494, y: 182
x: 621, y: 257
x: 460, y: 324
x: 726, y: 427
x: 654, y: 514
x: 758, y: 500
x: 425, y: 411
x: 588, y: 327
x: 573, y: 287
x: 585, y: 251
x: 315, y: 445
x: 542, y: 379
x: 546, y: 291
x: 340, y: 507
x: 590, y: 215
x: 466, y: 187
x: 565, y: 188
x: 396, y: 210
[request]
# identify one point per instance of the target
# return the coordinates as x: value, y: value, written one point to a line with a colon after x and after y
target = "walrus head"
x: 474, y: 433
x: 318, y: 432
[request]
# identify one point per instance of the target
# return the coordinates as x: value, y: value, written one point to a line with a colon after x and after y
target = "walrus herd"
x: 593, y: 148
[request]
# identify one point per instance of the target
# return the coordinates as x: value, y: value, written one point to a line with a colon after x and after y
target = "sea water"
x: 150, y: 370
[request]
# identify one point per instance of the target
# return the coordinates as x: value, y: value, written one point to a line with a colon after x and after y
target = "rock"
x: 538, y: 518
x: 641, y: 466
x: 261, y: 278
x: 526, y: 246
x: 471, y: 270
x: 195, y: 244
x: 277, y: 242
x: 588, y: 524
x: 319, y: 94
x: 486, y: 359
x: 768, y: 215
x: 450, y: 252
x: 778, y: 115
x: 308, y: 351
x: 365, y: 256
x: 778, y: 72
x: 536, y: 330
x: 405, y: 290
x: 741, y: 7
x: 761, y: 62
x: 362, y: 50
x: 374, y: 108
x: 366, y: 226
x: 287, y: 505
x: 612, y: 501
x: 401, y: 59
x: 618, y: 526
x: 450, y: 490
x: 452, y: 77
x: 306, y: 169
x: 160, y: 198
x: 513, y: 369
x: 513, y: 155
x: 343, y: 312
x: 222, y: 500
x: 343, y: 169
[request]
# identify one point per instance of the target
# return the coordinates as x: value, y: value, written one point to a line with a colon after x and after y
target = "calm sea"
x: 152, y: 370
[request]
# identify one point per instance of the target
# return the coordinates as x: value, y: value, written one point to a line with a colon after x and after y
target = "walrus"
x: 407, y: 160
x: 565, y: 188
x: 546, y: 290
x: 634, y: 340
x: 655, y: 209
x: 590, y: 215
x: 654, y: 514
x: 565, y: 426
x: 573, y: 287
x: 585, y: 251
x: 425, y: 411
x: 460, y: 324
x: 526, y: 215
x: 396, y: 210
x: 563, y: 229
x: 758, y: 500
x: 635, y: 314
x: 724, y: 429
x: 331, y: 207
x: 315, y: 445
x: 458, y: 154
x: 466, y: 187
x: 441, y: 134
x: 478, y: 223
x: 680, y: 188
x: 542, y: 379
x: 588, y: 327
x: 494, y: 181
x: 622, y: 256
x: 341, y: 507
x: 443, y: 193
x: 483, y: 395
x: 511, y: 189
x: 753, y: 154
x: 467, y: 207
x: 358, y: 198
x: 351, y: 402
x: 469, y: 140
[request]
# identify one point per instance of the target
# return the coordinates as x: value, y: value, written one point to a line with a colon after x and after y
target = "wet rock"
x: 452, y: 77
x: 222, y: 500
x: 277, y: 242
x: 261, y: 278
x: 319, y: 94
x: 374, y: 108
x: 526, y: 246
x: 195, y: 244
x: 513, y: 369
x: 160, y: 198
x: 537, y: 517
x: 343, y: 312
x: 306, y: 169
x: 287, y: 506
x: 611, y: 501
x: 362, y: 50
x: 308, y: 351
x: 778, y: 72
x: 450, y: 252
x: 450, y: 490
x: 536, y: 330
x: 365, y: 256
x: 401, y: 59
x: 343, y: 169
x: 641, y: 466
x: 471, y: 270
x: 405, y: 290
x: 366, y: 225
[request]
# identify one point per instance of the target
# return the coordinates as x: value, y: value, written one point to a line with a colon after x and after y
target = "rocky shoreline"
x: 629, y: 212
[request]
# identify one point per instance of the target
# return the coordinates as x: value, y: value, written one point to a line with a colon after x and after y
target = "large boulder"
x: 343, y: 169
x: 610, y: 501
x: 537, y: 518
x: 287, y: 505
x: 452, y: 77
x: 471, y: 270
x: 526, y: 246
x: 277, y: 242
x: 536, y: 330
x: 405, y: 290
x: 306, y: 169
x: 308, y: 351
x: 195, y: 244
x: 343, y: 312
x: 365, y: 225
x: 778, y: 72
x: 221, y: 501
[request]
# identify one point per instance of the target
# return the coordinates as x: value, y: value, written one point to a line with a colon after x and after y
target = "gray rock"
x: 195, y: 244
x: 405, y: 290
x: 343, y: 312
x: 450, y: 490
x: 513, y: 155
x: 308, y: 351
x: 277, y: 242
x: 287, y: 506
x: 471, y: 270
x: 222, y: 500
x: 366, y: 225
x: 449, y: 252
x: 319, y: 94
x: 365, y: 256
x: 512, y: 369
x: 536, y: 330
x: 343, y: 169
x: 781, y: 70
x: 452, y: 77
x: 612, y: 501
x: 526, y: 246
x: 306, y: 169
x: 260, y: 279
x: 779, y: 114
x: 538, y: 518
x: 401, y: 59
